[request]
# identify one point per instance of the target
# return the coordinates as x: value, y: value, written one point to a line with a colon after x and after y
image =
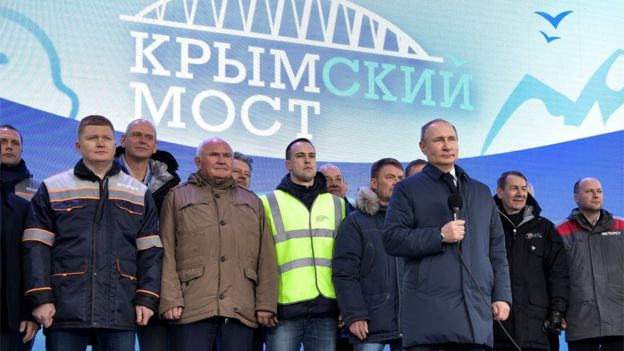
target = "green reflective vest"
x: 304, y: 243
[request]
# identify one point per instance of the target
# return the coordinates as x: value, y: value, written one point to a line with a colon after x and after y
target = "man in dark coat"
x: 538, y: 266
x: 365, y: 277
x: 17, y: 326
x: 449, y: 293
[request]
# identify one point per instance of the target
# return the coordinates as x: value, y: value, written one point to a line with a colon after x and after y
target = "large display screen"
x: 531, y: 86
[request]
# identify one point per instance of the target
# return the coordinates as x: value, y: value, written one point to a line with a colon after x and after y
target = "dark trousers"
x: 605, y: 343
x: 13, y: 342
x: 77, y: 339
x: 448, y: 347
x: 259, y: 338
x: 201, y: 335
x: 153, y: 337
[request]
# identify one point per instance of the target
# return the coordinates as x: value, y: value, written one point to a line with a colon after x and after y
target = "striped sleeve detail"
x: 146, y: 242
x: 148, y: 293
x: 38, y: 289
x: 40, y: 235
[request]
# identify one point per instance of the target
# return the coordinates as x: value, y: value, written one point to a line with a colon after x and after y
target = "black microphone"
x: 455, y: 203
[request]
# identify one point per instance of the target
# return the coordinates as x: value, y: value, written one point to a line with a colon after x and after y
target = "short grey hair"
x: 424, y: 128
x: 140, y: 120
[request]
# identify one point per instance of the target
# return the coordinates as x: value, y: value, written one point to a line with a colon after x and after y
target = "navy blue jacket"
x: 440, y: 301
x: 365, y: 277
x: 13, y: 211
x: 91, y: 247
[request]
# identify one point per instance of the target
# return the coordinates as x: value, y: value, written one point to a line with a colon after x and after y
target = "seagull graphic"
x: 457, y: 61
x: 554, y: 20
x: 549, y: 38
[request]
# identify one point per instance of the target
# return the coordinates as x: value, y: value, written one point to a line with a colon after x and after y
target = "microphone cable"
x: 461, y: 258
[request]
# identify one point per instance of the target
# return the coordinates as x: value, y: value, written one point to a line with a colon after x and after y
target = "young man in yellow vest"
x: 304, y: 219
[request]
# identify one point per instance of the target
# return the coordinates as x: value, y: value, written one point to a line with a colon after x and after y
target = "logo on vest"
x: 611, y: 233
x: 322, y: 218
x: 533, y: 236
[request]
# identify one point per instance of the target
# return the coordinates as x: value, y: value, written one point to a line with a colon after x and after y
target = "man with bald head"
x: 139, y: 157
x: 456, y: 273
x: 336, y: 184
x: 594, y: 243
x: 219, y: 274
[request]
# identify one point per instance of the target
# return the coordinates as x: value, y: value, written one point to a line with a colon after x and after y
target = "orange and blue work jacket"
x: 91, y: 247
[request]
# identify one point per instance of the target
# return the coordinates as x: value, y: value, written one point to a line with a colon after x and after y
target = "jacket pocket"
x: 125, y: 269
x: 188, y: 275
x: 377, y: 300
x: 67, y: 205
x: 251, y: 275
x: 69, y: 284
x: 129, y: 207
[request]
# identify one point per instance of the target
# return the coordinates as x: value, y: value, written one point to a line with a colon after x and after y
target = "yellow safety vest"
x: 304, y: 244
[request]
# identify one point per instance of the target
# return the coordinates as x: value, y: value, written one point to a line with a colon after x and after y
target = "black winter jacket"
x: 92, y: 248
x: 365, y: 277
x: 539, y: 276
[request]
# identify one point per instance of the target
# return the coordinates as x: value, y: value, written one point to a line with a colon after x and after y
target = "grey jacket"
x: 596, y: 259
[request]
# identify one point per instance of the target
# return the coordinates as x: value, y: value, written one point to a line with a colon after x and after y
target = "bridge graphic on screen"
x: 336, y: 18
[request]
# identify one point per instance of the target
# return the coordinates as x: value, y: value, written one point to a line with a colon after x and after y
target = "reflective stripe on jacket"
x: 304, y: 244
x: 91, y: 247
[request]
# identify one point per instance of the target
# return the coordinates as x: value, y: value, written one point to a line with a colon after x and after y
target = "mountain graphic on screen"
x: 574, y: 112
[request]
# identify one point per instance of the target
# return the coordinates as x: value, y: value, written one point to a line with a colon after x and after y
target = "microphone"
x: 455, y: 203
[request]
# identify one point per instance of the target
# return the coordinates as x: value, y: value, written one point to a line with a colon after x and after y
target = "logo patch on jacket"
x: 533, y: 235
x: 322, y: 218
x: 611, y: 233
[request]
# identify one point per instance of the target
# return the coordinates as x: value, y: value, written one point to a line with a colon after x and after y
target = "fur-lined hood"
x: 367, y: 201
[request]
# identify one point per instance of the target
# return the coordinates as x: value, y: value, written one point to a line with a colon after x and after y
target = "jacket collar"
x: 15, y: 174
x: 222, y: 184
x: 435, y: 173
x: 319, y: 186
x: 367, y: 201
x: 530, y: 211
x: 605, y: 221
x: 83, y: 172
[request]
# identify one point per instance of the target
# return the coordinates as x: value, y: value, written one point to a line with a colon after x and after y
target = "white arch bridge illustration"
x: 336, y: 19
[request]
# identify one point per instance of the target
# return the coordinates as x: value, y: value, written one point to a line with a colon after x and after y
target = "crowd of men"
x: 426, y: 259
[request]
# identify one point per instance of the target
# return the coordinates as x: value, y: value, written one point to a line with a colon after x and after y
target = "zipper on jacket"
x: 312, y: 241
x: 398, y: 287
x: 101, y: 183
